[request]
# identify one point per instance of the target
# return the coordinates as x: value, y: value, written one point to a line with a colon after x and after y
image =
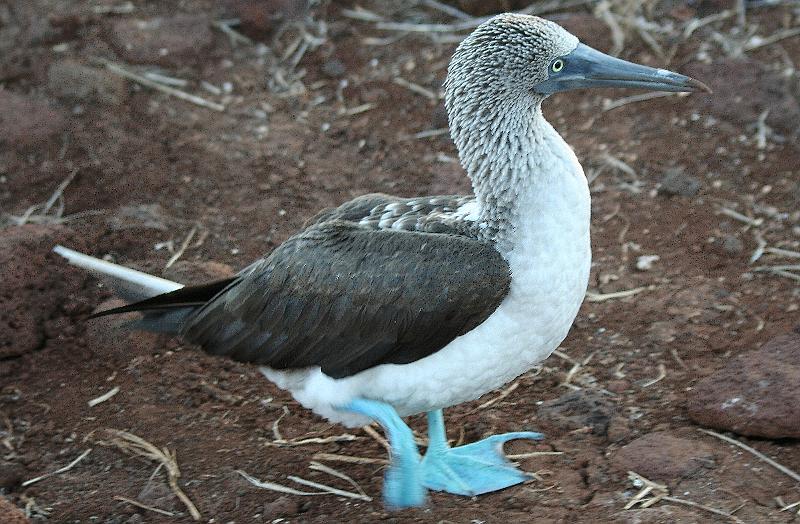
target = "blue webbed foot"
x: 402, y: 484
x: 472, y: 469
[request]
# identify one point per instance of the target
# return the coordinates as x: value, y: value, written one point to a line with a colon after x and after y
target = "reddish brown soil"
x: 150, y: 168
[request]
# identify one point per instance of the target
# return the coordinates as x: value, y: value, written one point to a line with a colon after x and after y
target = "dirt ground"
x: 696, y: 233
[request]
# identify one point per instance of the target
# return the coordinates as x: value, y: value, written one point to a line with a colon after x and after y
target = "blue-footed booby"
x: 386, y: 307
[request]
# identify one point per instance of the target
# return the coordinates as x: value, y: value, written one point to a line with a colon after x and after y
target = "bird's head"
x: 523, y: 59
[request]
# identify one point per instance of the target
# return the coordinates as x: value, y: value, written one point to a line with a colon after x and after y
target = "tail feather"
x: 129, y: 284
x: 165, y: 305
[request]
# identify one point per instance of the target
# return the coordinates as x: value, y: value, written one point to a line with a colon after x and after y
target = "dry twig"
x: 783, y: 469
x: 58, y: 471
x: 136, y: 445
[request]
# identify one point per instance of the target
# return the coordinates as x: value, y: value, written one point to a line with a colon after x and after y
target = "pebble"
x: 755, y: 394
x: 26, y: 122
x: 661, y: 456
x: 677, y: 182
x: 75, y: 82
x: 334, y: 68
x: 580, y: 409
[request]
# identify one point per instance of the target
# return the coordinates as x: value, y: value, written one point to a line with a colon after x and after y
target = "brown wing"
x: 346, y: 298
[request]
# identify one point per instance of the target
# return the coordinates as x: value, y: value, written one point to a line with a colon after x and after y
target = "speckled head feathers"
x: 504, y: 58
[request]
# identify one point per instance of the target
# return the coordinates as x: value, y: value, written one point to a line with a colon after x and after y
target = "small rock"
x: 677, y: 182
x: 580, y: 409
x: 645, y: 262
x: 75, y: 82
x: 754, y: 394
x: 164, y: 41
x: 25, y: 122
x: 10, y: 514
x: 281, y: 507
x: 334, y: 68
x: 661, y: 456
x: 729, y: 245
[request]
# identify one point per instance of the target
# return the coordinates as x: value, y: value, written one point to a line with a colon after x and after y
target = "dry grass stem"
x: 428, y: 133
x: 363, y: 108
x: 330, y: 489
x: 136, y: 445
x: 783, y: 469
x: 446, y: 9
x: 416, y: 88
x: 58, y: 471
x: 105, y: 396
x: 369, y: 430
x: 658, y: 492
x: 602, y: 297
x: 166, y: 80
x: 782, y: 252
x: 757, y: 42
x: 755, y: 222
x: 124, y: 8
x: 276, y: 433
x: 40, y: 213
x: 503, y: 394
x: 177, y: 93
x: 179, y: 253
x: 333, y: 457
x: 520, y: 456
x: 235, y: 37
x: 662, y: 374
x: 697, y: 505
x: 316, y: 466
x: 144, y: 506
x: 345, y: 437
x: 324, y: 489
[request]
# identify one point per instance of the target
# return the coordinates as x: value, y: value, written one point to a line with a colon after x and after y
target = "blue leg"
x: 402, y: 484
x: 472, y: 469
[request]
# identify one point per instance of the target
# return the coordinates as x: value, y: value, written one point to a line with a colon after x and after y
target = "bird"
x: 386, y: 306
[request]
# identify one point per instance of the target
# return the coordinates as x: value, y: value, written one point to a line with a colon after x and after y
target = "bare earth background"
x: 696, y: 239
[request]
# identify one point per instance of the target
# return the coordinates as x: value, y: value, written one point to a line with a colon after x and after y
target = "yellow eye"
x: 557, y: 66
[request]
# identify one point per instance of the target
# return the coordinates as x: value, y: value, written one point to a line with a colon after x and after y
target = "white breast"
x: 550, y: 265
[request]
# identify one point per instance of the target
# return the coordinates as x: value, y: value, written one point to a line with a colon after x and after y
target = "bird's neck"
x: 522, y: 172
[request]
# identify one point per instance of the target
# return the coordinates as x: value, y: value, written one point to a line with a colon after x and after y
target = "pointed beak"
x: 587, y: 67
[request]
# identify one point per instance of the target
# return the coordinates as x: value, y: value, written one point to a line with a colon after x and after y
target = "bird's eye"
x: 557, y: 65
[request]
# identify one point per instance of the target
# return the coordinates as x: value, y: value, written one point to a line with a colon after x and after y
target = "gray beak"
x: 587, y: 67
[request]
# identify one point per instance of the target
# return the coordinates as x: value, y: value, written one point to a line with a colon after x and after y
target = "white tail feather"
x: 131, y: 281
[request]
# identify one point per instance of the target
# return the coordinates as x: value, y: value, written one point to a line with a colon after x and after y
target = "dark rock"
x: 661, y: 456
x: 25, y: 122
x: 334, y: 68
x: 580, y: 409
x: 281, y: 507
x: 743, y: 90
x: 11, y: 475
x: 754, y: 394
x: 677, y: 182
x: 75, y: 82
x: 165, y: 41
